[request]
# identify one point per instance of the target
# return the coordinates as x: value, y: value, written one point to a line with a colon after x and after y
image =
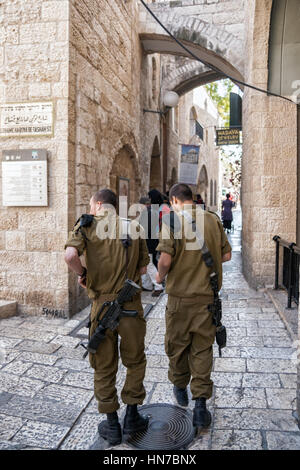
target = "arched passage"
x: 203, y: 183
x: 155, y: 167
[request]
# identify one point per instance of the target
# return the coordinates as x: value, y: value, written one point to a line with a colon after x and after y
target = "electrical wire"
x: 212, y: 67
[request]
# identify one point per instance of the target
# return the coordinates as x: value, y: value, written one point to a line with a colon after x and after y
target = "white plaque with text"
x: 24, y: 178
x: 26, y: 119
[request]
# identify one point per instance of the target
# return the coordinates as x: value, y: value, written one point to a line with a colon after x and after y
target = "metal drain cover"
x: 170, y: 428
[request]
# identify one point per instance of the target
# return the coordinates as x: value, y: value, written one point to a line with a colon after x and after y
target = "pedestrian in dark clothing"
x: 154, y: 222
x: 227, y: 216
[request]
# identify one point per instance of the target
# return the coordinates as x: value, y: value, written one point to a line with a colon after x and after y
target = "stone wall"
x: 110, y: 84
x: 269, y: 167
x: 33, y: 67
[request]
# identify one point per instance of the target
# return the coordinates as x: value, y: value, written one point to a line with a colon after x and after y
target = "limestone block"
x: 15, y: 240
x: 55, y: 10
x: 37, y: 33
x: 7, y: 308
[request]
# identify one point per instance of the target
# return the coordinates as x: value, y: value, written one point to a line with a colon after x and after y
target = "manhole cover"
x: 170, y: 428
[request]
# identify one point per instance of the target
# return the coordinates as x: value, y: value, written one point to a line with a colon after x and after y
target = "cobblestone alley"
x: 46, y: 388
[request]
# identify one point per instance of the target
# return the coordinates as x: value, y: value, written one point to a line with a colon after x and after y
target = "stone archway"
x: 203, y: 183
x: 124, y: 167
x: 155, y: 167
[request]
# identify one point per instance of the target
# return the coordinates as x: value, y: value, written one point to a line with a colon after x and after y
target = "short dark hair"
x: 155, y: 197
x: 181, y: 191
x: 106, y: 196
x: 228, y: 195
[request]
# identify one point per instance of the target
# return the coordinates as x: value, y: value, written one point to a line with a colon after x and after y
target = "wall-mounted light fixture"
x: 170, y: 100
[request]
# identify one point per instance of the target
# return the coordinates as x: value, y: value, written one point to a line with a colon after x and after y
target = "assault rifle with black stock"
x: 112, y: 316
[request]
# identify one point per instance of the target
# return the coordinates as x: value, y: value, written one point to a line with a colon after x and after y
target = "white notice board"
x: 24, y: 178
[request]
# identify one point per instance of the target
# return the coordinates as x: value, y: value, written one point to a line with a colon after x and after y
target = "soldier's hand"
x: 158, y: 279
x: 82, y: 282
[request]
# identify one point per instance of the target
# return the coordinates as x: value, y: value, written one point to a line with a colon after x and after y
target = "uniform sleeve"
x: 144, y: 254
x: 226, y: 247
x: 76, y: 240
x: 166, y: 241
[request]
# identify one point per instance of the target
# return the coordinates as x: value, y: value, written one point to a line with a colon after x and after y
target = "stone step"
x: 8, y: 308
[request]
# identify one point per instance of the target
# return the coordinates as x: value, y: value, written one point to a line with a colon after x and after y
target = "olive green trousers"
x: 190, y: 334
x: 105, y: 362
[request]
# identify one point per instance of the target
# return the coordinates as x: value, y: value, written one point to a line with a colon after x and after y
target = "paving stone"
x: 270, y: 365
x: 9, y: 342
x: 260, y: 380
x: 8, y: 445
x: 272, y: 420
x: 236, y: 332
x: 227, y: 352
x: 227, y: 379
x: 11, y: 322
x: 92, y: 407
x: 5, y: 397
x: 79, y: 379
x: 74, y: 364
x: 240, y: 398
x: 19, y: 385
x: 249, y: 341
x: 276, y: 332
x: 241, y: 324
x: 258, y: 316
x: 84, y: 433
x: 156, y: 349
x: 159, y: 339
x: 276, y: 342
x: 275, y: 324
x: 27, y: 334
x: 43, y: 410
x: 156, y: 375
x: 288, y: 380
x: 70, y: 353
x: 202, y: 442
x: 17, y: 367
x: 9, y: 425
x: 237, y: 440
x: 38, y: 358
x: 68, y: 341
x: 281, y: 399
x: 37, y: 347
x: 283, y: 440
x: 266, y: 353
x: 9, y: 356
x: 66, y: 394
x: 42, y: 435
x: 229, y: 365
x: 46, y: 373
x: 161, y: 361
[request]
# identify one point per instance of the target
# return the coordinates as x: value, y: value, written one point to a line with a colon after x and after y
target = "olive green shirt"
x: 105, y: 257
x: 188, y: 275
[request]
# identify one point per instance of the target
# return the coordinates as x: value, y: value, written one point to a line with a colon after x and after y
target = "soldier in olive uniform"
x: 190, y: 332
x: 107, y: 267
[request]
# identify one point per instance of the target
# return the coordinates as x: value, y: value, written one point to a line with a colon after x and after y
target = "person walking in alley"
x: 149, y: 278
x: 109, y: 262
x: 190, y: 332
x: 227, y: 216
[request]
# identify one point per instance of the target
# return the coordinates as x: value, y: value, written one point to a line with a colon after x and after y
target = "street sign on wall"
x: 24, y: 178
x: 228, y: 136
x: 26, y: 119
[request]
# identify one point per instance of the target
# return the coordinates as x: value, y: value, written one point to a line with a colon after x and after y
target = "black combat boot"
x: 133, y: 421
x: 181, y: 396
x: 201, y: 417
x: 110, y: 429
